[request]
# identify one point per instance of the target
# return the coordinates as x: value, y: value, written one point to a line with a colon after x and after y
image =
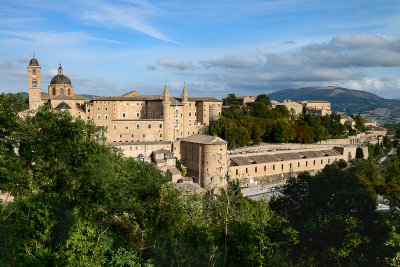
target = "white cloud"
x: 54, y: 38
x: 233, y: 62
x: 134, y: 15
x: 170, y: 63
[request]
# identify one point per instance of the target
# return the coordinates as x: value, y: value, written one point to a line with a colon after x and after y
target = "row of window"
x: 138, y: 126
x: 144, y: 135
x: 282, y: 166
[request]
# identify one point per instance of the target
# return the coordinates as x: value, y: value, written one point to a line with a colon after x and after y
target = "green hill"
x: 344, y: 100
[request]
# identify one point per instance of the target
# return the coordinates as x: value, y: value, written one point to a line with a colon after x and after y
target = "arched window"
x: 54, y: 91
x: 61, y: 91
x: 34, y: 72
x: 69, y: 91
x: 34, y: 83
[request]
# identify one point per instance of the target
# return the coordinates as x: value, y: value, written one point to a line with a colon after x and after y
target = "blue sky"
x: 216, y: 47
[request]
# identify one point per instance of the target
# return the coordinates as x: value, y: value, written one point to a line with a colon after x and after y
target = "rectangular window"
x: 265, y: 168
x: 306, y: 163
x: 123, y: 114
x: 322, y: 161
x: 282, y: 167
x: 298, y: 164
x: 255, y: 169
x: 149, y: 126
x: 246, y: 170
x: 273, y: 167
x: 237, y: 172
x: 314, y: 162
x: 106, y: 117
x: 98, y: 116
x: 160, y: 125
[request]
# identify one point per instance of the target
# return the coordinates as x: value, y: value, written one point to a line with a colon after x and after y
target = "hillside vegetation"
x: 78, y: 202
x: 343, y: 100
x: 260, y: 122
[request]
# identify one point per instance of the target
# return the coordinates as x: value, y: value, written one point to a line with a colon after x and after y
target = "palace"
x: 163, y: 128
x: 131, y: 117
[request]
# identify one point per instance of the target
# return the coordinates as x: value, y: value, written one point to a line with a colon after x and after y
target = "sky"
x: 216, y: 47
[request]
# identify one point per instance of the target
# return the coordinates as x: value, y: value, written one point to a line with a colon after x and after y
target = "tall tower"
x: 35, y: 92
x: 185, y: 102
x: 166, y: 104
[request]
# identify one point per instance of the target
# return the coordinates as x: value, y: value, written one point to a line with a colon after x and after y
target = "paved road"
x: 384, y: 159
x: 262, y: 192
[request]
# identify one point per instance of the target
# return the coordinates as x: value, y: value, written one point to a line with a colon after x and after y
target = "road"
x: 382, y: 160
x: 263, y: 192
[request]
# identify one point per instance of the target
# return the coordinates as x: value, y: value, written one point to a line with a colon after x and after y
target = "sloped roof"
x: 204, y: 139
x: 311, y: 154
x: 173, y: 170
x: 160, y: 151
x: 63, y: 105
x: 265, y: 158
x: 330, y: 152
x: 280, y: 157
x: 69, y: 97
x: 289, y: 156
x: 131, y: 94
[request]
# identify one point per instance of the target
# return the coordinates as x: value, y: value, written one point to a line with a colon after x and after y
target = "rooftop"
x: 204, y: 139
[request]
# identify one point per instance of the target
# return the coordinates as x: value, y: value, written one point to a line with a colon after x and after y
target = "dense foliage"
x: 78, y: 202
x: 259, y: 122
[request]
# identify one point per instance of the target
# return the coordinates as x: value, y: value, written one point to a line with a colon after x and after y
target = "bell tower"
x: 35, y: 92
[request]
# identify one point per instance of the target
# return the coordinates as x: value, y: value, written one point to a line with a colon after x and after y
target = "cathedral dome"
x: 33, y: 62
x: 60, y: 79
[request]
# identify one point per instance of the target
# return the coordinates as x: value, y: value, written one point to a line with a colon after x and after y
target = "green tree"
x: 359, y: 153
x: 360, y: 126
x: 335, y: 215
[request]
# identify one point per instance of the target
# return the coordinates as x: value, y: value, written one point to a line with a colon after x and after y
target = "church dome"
x: 60, y: 79
x: 33, y: 62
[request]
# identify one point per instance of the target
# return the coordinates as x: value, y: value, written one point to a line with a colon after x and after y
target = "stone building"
x: 320, y: 108
x: 206, y: 159
x: 60, y: 92
x: 131, y: 117
x: 276, y: 166
x: 294, y: 107
x: 160, y: 128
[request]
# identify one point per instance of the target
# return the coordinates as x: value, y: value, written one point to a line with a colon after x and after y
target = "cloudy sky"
x: 215, y: 46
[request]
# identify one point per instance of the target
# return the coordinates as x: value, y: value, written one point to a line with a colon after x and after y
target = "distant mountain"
x: 343, y: 100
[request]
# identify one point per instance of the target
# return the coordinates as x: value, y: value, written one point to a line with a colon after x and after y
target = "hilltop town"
x: 164, y: 129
